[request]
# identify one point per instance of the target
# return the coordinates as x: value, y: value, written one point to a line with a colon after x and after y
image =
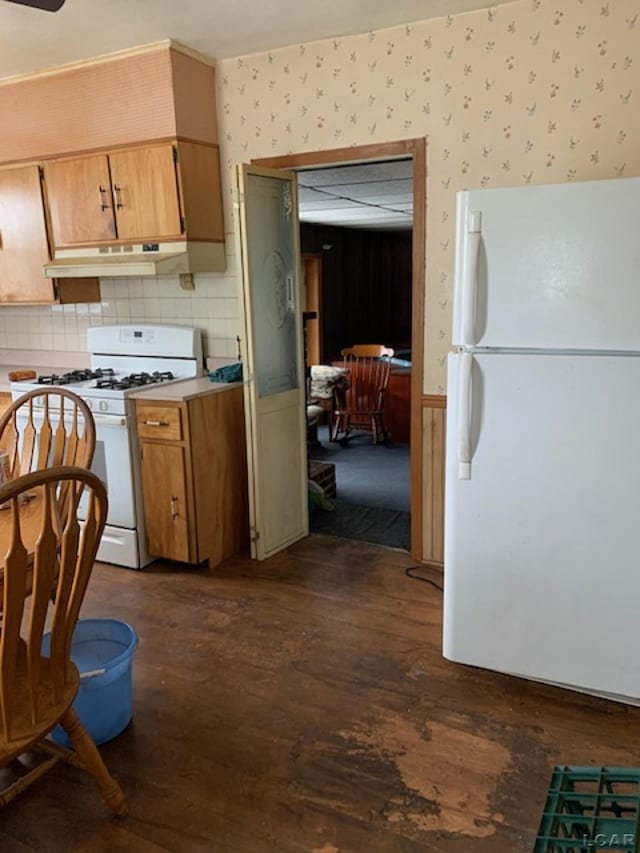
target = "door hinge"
x: 254, y: 534
x: 41, y: 173
x: 175, y: 154
x: 182, y: 225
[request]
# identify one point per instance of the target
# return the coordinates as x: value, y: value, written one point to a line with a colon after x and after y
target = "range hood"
x: 144, y: 259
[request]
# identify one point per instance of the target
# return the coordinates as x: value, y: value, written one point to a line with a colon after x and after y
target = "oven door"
x: 111, y: 462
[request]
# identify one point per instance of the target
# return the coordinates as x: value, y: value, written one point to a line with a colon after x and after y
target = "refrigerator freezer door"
x: 542, y: 538
x: 550, y: 267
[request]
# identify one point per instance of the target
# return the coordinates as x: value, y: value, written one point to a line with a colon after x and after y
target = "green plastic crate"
x: 591, y: 810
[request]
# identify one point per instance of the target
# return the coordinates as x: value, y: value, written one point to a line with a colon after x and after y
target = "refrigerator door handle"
x: 470, y: 278
x: 464, y: 416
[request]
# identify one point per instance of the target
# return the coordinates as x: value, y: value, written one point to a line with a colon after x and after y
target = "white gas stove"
x: 124, y: 359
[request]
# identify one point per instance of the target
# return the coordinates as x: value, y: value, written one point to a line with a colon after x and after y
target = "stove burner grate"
x: 73, y: 376
x: 134, y: 380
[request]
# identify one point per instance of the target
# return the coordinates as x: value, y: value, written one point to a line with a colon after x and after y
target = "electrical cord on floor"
x: 408, y: 573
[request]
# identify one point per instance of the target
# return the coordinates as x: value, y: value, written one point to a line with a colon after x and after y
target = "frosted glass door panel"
x: 272, y: 262
x: 275, y: 409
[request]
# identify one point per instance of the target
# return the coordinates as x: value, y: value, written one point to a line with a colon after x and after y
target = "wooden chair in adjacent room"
x: 361, y: 404
x: 61, y: 432
x: 47, y: 560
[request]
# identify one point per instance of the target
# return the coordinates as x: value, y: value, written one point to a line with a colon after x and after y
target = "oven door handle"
x: 111, y: 421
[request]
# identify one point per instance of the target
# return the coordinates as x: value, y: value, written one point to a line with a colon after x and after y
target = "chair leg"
x: 380, y: 433
x: 335, y: 427
x: 88, y: 753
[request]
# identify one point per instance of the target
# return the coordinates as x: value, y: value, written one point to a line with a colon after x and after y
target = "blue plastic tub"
x: 103, y: 650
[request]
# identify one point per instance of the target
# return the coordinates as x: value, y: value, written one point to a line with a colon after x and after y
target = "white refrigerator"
x: 542, y: 520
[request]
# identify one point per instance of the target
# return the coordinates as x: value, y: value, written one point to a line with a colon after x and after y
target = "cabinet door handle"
x: 174, y: 507
x: 103, y: 204
x: 118, y: 190
x: 156, y: 423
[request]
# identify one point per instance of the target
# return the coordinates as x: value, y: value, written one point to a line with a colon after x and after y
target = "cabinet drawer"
x: 159, y: 422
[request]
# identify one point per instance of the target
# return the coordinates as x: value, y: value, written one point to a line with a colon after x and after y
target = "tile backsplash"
x: 213, y: 307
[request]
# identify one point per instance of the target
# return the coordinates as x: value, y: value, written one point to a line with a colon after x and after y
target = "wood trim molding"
x: 416, y: 149
x: 354, y: 154
x: 419, y: 152
x: 434, y: 401
x: 163, y: 44
x: 90, y: 152
x: 433, y: 424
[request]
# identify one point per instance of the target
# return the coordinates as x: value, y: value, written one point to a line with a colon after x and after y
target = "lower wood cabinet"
x: 194, y: 477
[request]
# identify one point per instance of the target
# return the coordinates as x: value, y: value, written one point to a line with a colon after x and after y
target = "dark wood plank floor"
x: 303, y: 705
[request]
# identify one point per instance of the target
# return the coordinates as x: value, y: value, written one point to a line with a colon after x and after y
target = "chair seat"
x: 53, y: 705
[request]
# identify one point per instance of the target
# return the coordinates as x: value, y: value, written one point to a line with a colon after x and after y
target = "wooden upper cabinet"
x: 24, y: 246
x: 23, y: 237
x: 145, y: 190
x: 80, y: 201
x: 130, y: 195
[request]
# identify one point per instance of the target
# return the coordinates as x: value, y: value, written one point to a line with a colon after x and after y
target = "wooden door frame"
x: 417, y: 150
x: 316, y: 259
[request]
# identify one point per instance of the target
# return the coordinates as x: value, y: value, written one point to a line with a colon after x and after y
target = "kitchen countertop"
x: 5, y: 384
x: 180, y: 392
x: 42, y: 361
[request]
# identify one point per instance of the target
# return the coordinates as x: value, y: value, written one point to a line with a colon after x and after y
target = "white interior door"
x: 268, y: 232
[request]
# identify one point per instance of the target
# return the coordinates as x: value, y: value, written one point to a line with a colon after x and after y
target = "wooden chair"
x: 62, y: 432
x: 53, y: 562
x: 361, y: 404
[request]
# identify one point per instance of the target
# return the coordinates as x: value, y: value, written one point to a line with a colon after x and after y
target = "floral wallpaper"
x: 537, y: 91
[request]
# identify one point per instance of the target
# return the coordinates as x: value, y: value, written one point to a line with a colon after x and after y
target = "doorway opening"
x: 362, y: 214
x: 356, y: 243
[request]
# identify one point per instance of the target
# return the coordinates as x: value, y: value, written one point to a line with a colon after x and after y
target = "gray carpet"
x: 373, y: 484
x: 368, y: 474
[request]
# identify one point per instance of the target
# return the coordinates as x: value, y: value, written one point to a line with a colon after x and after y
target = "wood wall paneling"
x: 366, y: 286
x: 434, y: 414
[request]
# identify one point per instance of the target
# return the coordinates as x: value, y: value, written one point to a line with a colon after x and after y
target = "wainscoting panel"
x: 434, y: 415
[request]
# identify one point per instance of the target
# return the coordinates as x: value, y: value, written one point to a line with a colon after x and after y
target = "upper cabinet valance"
x: 158, y: 92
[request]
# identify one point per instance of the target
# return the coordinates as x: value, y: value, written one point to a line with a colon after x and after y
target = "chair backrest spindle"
x: 61, y: 432
x: 48, y: 556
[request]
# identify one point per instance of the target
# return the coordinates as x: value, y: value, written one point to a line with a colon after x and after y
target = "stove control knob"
x: 89, y: 403
x: 103, y: 406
